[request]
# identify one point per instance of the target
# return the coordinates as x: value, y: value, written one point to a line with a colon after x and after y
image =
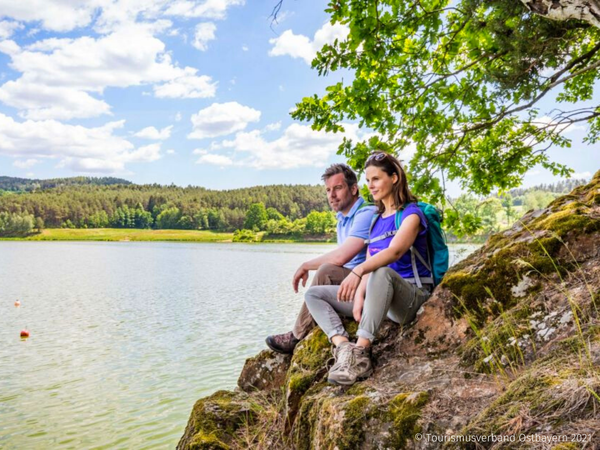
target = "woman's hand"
x: 359, y: 302
x: 348, y: 287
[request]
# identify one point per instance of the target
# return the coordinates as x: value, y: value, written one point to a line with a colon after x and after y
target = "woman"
x: 384, y: 283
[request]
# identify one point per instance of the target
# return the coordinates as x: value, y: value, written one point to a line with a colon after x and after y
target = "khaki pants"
x: 327, y: 275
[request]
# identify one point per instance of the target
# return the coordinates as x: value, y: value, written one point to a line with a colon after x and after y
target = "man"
x: 354, y: 220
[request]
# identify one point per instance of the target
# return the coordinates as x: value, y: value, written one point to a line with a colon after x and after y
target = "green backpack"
x: 437, y: 249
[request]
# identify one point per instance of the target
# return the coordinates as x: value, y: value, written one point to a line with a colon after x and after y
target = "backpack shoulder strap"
x: 373, y: 220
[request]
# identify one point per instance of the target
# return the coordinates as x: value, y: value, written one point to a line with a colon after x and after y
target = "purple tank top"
x: 403, y: 266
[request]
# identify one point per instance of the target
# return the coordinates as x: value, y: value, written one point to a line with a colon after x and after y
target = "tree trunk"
x: 586, y: 10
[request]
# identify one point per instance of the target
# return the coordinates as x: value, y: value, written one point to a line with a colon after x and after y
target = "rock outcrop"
x: 508, y: 345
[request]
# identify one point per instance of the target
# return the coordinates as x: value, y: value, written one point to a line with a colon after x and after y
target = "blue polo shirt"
x: 355, y: 224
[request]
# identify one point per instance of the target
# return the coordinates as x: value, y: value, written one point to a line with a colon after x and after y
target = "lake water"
x: 125, y: 337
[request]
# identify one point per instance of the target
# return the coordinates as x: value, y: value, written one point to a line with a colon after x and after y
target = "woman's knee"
x: 381, y: 275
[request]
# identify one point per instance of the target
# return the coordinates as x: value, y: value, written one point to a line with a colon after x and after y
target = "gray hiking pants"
x: 387, y: 294
x: 327, y: 274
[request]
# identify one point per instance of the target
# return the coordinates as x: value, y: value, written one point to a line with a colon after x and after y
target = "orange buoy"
x: 24, y: 333
x: 17, y: 303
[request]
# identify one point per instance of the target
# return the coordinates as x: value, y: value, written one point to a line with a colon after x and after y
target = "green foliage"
x: 16, y: 224
x: 169, y: 218
x: 256, y: 217
x: 320, y: 222
x: 245, y: 236
x: 273, y: 214
x: 460, y: 81
x: 537, y: 200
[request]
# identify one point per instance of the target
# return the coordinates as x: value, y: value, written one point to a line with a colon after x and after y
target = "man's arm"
x: 339, y: 256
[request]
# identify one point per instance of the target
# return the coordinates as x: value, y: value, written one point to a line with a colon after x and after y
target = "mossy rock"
x: 264, y: 372
x: 404, y: 412
x: 482, y: 283
x: 215, y: 420
x: 335, y: 421
x: 308, y: 366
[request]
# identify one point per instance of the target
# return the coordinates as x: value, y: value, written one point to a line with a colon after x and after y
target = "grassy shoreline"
x: 124, y: 235
x: 138, y: 235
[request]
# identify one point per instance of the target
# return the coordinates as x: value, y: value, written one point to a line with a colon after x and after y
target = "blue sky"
x: 190, y: 92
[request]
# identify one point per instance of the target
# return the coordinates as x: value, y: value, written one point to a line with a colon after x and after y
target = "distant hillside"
x: 99, y: 203
x: 14, y: 184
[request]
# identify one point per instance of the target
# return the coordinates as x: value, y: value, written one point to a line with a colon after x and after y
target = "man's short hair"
x: 334, y: 169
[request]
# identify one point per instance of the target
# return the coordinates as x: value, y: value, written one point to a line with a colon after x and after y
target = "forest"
x: 100, y: 203
x: 27, y: 206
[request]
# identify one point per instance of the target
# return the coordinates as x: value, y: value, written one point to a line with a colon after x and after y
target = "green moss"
x: 566, y: 220
x: 355, y: 417
x: 304, y: 428
x: 299, y: 382
x: 312, y: 352
x: 319, y: 411
x: 358, y: 389
x: 216, y: 418
x: 500, y: 272
x: 203, y: 441
x: 404, y: 411
x: 351, y: 326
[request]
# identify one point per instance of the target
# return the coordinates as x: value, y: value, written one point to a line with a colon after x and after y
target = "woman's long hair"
x: 400, y: 191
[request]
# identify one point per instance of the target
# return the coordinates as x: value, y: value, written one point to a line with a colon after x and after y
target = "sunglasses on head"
x: 377, y: 157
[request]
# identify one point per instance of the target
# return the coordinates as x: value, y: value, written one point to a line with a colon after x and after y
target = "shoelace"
x: 346, y: 358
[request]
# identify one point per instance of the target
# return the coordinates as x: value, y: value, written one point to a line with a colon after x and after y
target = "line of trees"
x: 169, y: 207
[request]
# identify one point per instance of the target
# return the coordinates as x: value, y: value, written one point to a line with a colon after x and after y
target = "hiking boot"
x: 282, y: 343
x: 352, y: 363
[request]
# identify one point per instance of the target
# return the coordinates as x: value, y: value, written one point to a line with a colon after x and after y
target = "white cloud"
x: 245, y: 48
x: 26, y: 164
x: 79, y: 148
x: 67, y: 15
x: 204, y: 33
x: 200, y: 151
x: 220, y: 119
x: 54, y: 15
x: 209, y: 9
x: 178, y: 117
x: 300, y: 46
x: 9, y: 47
x: 217, y: 160
x: 7, y: 28
x: 59, y: 76
x: 153, y: 133
x: 299, y: 146
x: 40, y: 102
x: 171, y: 152
x: 273, y: 126
x: 187, y: 86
